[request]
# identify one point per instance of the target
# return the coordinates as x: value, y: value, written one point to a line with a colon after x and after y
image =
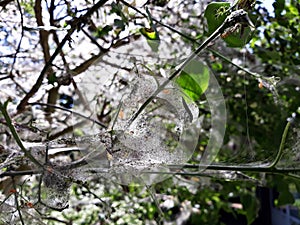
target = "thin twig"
x: 20, y: 41
x: 20, y: 173
x: 65, y: 131
x: 93, y: 40
x: 70, y: 111
x: 17, y: 201
x: 151, y: 191
x: 281, y: 147
x: 56, y: 220
x: 92, y: 193
x: 3, y: 109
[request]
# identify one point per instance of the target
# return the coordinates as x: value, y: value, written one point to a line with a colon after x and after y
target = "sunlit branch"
x: 177, y: 169
x: 66, y: 130
x: 56, y: 220
x: 74, y: 26
x: 93, y: 40
x: 70, y: 111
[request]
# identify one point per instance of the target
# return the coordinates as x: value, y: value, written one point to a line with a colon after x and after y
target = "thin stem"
x: 17, y: 201
x: 15, y: 134
x: 70, y: 111
x: 255, y: 75
x: 281, y: 147
x: 20, y: 173
x: 294, y: 176
x: 95, y: 196
x: 56, y: 220
x: 20, y: 41
x: 151, y: 191
x: 66, y: 130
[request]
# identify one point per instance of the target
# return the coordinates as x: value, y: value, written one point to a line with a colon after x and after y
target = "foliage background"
x: 255, y: 122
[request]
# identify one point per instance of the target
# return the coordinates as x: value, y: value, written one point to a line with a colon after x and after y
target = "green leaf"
x: 217, y: 66
x: 193, y: 80
x: 117, y: 8
x: 281, y: 185
x: 154, y: 44
x: 28, y: 7
x: 297, y: 184
x: 119, y: 24
x: 215, y: 14
x: 149, y: 33
x: 241, y: 36
x: 278, y: 7
x: 238, y: 38
x: 285, y: 198
x: 101, y: 32
x: 152, y: 38
x: 52, y: 78
x: 250, y: 206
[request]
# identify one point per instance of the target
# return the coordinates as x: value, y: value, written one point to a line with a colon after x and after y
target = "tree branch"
x: 5, y: 3
x: 20, y: 41
x: 76, y: 23
x: 70, y: 111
